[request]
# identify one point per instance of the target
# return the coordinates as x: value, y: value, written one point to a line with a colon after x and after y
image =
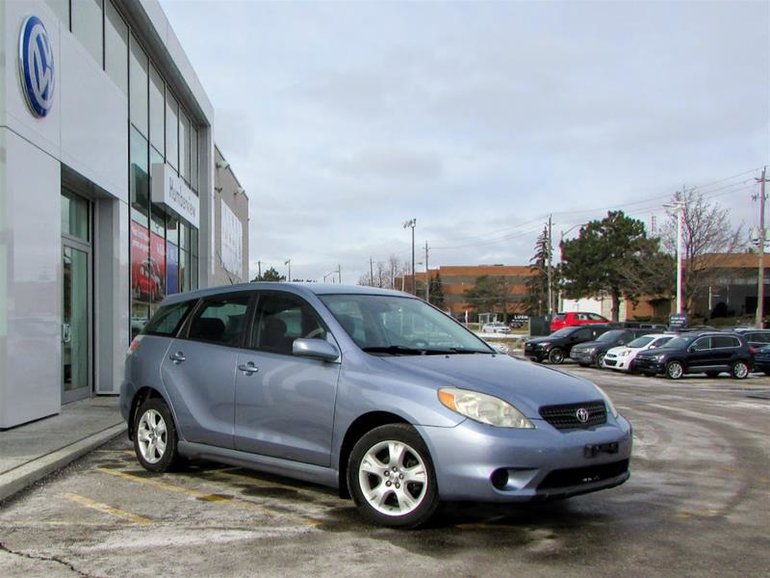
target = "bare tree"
x: 706, y: 232
x: 384, y: 274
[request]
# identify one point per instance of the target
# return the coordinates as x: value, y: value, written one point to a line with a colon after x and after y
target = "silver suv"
x: 373, y: 392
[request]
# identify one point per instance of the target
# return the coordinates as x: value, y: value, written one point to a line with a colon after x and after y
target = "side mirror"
x: 315, y: 348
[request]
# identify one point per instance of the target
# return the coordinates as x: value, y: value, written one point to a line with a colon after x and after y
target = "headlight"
x: 624, y: 353
x: 545, y: 345
x: 659, y: 357
x: 483, y: 408
x: 608, y: 401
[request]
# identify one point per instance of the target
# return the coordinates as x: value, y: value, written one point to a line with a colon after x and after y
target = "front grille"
x: 569, y: 416
x: 579, y: 476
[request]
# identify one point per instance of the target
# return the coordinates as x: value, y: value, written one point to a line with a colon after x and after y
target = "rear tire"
x: 155, y: 438
x: 740, y: 370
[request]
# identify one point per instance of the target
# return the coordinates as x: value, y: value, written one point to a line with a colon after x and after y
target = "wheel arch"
x: 358, y: 428
x: 140, y: 397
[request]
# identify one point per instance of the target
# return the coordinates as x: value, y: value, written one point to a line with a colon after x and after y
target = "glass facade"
x: 164, y: 250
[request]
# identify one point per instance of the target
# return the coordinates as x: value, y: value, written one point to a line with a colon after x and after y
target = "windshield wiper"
x: 394, y: 350
x: 465, y: 351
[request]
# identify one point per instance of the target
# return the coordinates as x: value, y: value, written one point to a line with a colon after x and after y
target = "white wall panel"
x: 94, y: 121
x: 30, y: 271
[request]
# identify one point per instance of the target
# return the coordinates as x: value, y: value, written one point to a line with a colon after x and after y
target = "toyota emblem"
x: 582, y: 415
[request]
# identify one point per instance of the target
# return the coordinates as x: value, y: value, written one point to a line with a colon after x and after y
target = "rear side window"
x: 168, y: 319
x: 220, y: 320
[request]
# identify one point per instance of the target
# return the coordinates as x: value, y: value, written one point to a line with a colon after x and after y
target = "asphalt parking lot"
x: 696, y: 505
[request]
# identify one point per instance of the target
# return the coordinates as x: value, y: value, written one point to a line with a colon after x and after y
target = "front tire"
x: 155, y: 438
x: 556, y: 356
x: 391, y: 477
x: 600, y: 361
x: 674, y: 370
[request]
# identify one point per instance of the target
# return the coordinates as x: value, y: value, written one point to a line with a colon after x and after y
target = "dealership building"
x: 112, y: 194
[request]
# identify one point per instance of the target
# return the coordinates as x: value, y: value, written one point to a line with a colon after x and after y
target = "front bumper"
x: 476, y: 462
x: 535, y: 354
x: 582, y: 357
x: 649, y: 366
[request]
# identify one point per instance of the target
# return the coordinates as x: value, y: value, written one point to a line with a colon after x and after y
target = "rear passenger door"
x: 284, y: 403
x: 199, y: 369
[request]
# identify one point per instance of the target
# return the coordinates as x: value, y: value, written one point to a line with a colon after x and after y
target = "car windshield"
x: 564, y: 332
x: 610, y: 336
x: 393, y: 325
x: 640, y: 342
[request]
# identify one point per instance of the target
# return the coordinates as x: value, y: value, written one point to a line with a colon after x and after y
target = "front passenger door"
x: 284, y: 404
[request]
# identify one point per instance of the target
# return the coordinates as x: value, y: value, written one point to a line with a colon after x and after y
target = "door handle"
x: 66, y: 332
x: 248, y: 368
x: 177, y: 357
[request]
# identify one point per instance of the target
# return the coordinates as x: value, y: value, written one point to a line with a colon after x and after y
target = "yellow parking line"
x: 94, y: 505
x: 206, y: 497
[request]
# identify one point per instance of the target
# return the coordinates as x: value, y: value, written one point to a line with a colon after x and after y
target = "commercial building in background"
x: 107, y: 193
x: 231, y: 234
x: 457, y: 279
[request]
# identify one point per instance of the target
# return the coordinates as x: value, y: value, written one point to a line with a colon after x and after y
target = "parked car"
x: 708, y: 352
x: 622, y: 358
x: 370, y: 391
x: 593, y: 352
x: 495, y: 327
x: 756, y: 337
x: 762, y: 360
x: 556, y: 346
x: 573, y: 318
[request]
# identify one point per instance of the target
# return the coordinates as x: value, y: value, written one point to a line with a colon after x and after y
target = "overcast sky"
x: 342, y: 120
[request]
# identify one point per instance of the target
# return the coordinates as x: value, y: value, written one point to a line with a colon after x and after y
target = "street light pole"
x: 679, y: 207
x: 288, y: 262
x: 412, y: 223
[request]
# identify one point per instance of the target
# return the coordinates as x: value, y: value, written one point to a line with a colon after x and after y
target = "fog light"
x: 499, y: 479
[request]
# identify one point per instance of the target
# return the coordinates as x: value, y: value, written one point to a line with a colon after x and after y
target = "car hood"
x: 526, y: 385
x: 545, y: 339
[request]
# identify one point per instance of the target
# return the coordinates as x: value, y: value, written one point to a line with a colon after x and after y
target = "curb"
x: 25, y: 475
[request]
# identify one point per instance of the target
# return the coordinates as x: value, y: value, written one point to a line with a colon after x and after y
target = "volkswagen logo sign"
x: 36, y: 66
x: 582, y: 415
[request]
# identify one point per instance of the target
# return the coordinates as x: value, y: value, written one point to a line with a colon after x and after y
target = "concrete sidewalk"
x: 32, y: 451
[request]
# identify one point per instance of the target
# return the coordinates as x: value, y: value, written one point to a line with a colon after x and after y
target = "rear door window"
x: 724, y: 341
x: 220, y: 320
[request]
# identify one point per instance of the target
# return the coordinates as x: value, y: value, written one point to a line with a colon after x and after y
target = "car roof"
x: 305, y: 289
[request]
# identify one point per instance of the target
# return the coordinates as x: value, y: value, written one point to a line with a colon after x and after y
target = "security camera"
x: 223, y: 165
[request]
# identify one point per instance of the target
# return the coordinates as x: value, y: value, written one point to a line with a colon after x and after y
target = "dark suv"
x: 556, y: 346
x: 592, y: 352
x: 699, y: 352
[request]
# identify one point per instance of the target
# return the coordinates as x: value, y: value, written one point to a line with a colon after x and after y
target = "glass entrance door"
x: 76, y: 341
x: 75, y: 334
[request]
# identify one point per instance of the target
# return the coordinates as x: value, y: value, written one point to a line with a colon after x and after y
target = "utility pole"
x: 371, y: 270
x: 760, y: 318
x: 550, y: 266
x: 339, y: 273
x: 427, y: 275
x: 407, y: 224
x: 259, y: 269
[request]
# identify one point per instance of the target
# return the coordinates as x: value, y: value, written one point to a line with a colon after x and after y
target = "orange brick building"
x: 456, y: 279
